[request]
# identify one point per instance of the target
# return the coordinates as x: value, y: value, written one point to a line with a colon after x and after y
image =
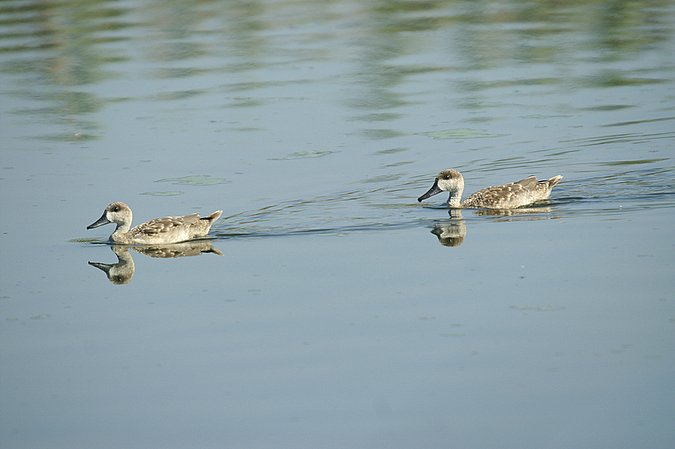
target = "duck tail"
x: 554, y: 181
x: 214, y: 216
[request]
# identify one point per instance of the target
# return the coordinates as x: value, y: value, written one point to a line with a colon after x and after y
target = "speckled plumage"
x: 507, y: 196
x: 157, y: 231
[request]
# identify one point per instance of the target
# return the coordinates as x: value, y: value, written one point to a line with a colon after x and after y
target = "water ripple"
x: 620, y: 138
x: 388, y: 202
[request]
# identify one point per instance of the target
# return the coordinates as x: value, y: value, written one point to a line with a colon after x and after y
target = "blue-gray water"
x: 341, y: 313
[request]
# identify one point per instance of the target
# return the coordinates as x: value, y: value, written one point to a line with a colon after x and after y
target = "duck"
x: 506, y: 196
x: 157, y: 231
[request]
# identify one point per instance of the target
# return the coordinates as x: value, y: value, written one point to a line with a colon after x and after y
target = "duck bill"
x: 100, y: 222
x: 431, y: 192
x: 105, y: 267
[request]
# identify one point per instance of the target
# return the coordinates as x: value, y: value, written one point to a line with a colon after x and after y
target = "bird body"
x: 156, y: 231
x: 506, y: 196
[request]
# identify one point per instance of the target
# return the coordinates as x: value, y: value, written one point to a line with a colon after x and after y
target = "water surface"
x: 330, y: 309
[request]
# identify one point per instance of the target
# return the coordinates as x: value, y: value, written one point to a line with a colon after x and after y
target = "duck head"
x: 448, y: 180
x: 118, y: 213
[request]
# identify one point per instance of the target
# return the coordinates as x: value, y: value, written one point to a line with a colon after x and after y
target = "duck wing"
x: 528, y: 183
x: 165, y: 225
x: 494, y: 197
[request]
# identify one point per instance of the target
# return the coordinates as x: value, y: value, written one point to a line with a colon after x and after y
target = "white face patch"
x: 119, y: 213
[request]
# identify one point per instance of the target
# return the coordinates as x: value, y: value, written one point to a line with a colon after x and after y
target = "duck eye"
x: 116, y: 209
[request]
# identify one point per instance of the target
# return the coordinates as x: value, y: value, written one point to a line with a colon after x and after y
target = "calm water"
x: 331, y: 310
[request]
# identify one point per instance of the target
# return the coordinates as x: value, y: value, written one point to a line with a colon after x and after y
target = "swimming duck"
x: 157, y: 231
x: 506, y: 196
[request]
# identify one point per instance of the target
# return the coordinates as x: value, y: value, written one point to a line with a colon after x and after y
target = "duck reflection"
x: 524, y: 213
x: 122, y: 272
x: 119, y: 273
x: 452, y: 232
x: 185, y: 249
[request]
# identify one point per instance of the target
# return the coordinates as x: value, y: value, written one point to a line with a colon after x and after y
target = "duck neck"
x: 455, y: 198
x: 124, y: 224
x: 119, y: 235
x: 122, y: 228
